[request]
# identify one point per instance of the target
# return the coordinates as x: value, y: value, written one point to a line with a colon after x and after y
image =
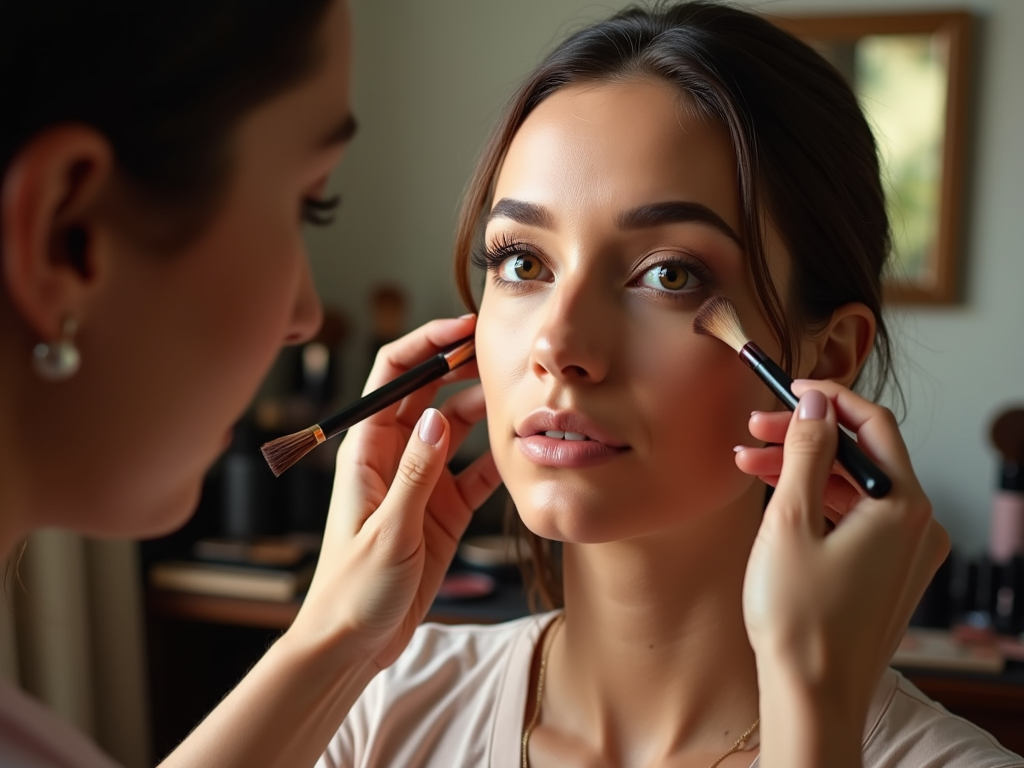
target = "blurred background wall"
x: 431, y: 77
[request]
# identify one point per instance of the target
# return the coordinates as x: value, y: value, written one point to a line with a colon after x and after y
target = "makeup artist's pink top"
x: 33, y: 737
x: 456, y: 697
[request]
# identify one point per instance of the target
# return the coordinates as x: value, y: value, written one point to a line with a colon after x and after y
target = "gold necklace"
x: 549, y: 640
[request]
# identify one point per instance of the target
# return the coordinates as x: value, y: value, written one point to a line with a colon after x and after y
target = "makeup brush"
x: 717, y: 317
x: 285, y: 451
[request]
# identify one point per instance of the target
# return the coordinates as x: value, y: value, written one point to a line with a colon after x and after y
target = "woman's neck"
x: 653, y: 658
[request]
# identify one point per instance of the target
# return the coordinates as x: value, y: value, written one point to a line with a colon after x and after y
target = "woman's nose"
x: 574, y: 340
x: 308, y: 311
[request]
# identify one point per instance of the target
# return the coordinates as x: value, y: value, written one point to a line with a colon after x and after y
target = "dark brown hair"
x: 165, y: 81
x: 806, y: 162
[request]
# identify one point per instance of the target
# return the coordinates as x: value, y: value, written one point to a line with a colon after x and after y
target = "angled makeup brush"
x: 717, y: 317
x: 285, y: 451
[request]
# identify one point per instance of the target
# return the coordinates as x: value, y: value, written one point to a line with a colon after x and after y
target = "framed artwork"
x: 910, y: 72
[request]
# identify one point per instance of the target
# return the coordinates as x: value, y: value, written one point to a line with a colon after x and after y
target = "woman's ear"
x: 50, y: 207
x: 842, y: 347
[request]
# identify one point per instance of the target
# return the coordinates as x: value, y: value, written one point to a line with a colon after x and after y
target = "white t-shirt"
x: 456, y: 698
x: 33, y: 737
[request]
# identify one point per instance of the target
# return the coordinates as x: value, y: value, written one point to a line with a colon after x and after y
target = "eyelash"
x: 319, y: 212
x: 490, y: 258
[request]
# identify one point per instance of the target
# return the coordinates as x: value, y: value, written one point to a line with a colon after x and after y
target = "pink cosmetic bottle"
x: 1006, y: 532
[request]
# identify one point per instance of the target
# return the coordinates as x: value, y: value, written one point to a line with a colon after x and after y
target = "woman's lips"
x: 566, y: 454
x: 566, y: 439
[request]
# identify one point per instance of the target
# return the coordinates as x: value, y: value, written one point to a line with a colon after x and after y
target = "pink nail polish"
x: 813, y: 405
x: 431, y: 426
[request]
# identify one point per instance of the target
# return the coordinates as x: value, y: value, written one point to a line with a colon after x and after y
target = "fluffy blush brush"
x: 717, y: 317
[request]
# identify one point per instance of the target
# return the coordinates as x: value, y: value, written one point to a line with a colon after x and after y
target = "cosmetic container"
x: 1006, y: 531
x: 248, y: 492
x: 936, y: 607
x: 1009, y: 603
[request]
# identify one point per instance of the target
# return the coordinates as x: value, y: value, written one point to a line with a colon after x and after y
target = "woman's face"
x: 176, y: 345
x: 616, y: 214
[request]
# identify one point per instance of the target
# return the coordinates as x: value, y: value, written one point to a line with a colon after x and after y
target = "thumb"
x: 807, y: 457
x: 420, y: 468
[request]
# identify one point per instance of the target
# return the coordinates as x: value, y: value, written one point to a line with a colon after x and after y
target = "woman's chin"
x: 571, y: 528
x: 161, y: 518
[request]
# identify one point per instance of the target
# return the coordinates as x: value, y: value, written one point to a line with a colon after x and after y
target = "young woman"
x: 652, y: 161
x: 158, y: 162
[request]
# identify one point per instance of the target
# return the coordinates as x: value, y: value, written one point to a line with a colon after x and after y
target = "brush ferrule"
x: 771, y: 374
x: 460, y: 354
x: 318, y: 434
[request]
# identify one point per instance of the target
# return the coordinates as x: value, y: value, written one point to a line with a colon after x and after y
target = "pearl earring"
x: 58, y: 360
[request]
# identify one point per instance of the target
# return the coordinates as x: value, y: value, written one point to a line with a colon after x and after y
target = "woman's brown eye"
x: 527, y: 268
x: 673, y: 277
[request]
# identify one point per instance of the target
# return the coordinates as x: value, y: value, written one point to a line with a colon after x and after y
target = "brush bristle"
x: 284, y: 452
x: 717, y: 317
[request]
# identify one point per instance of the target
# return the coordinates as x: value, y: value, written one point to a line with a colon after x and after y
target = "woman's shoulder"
x: 455, y: 696
x: 906, y: 728
x: 461, y: 659
x: 33, y: 737
x: 467, y: 645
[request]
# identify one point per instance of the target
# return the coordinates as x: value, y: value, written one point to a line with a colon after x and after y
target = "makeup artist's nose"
x: 307, y: 312
x: 573, y: 341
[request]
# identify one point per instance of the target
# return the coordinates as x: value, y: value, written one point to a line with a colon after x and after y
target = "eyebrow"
x: 342, y: 133
x: 640, y: 217
x: 674, y: 212
x: 530, y: 214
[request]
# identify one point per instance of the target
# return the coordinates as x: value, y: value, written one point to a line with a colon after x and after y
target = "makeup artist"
x: 159, y: 161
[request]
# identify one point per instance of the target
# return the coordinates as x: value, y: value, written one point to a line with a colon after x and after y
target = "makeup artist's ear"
x: 840, y: 350
x: 51, y: 198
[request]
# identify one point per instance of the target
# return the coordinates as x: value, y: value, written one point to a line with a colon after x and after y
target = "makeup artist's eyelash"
x: 319, y: 212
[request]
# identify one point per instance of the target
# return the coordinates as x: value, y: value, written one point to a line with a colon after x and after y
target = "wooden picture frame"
x: 924, y: 158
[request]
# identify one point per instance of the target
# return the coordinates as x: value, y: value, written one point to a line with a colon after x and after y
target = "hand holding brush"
x: 825, y: 611
x: 829, y: 610
x: 717, y: 317
x: 397, y: 510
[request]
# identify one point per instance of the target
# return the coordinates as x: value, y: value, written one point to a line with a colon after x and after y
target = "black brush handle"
x: 863, y: 470
x: 389, y: 394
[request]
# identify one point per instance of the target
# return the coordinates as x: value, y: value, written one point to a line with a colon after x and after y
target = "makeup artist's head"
x: 650, y: 161
x: 159, y: 160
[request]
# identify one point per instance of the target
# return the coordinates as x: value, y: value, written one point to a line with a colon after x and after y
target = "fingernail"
x: 467, y: 316
x: 431, y: 426
x: 738, y: 448
x: 813, y: 405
